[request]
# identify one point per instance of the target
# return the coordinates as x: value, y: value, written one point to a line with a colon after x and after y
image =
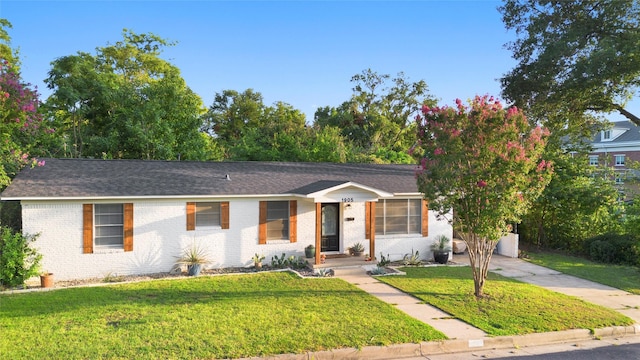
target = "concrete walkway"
x: 464, y: 337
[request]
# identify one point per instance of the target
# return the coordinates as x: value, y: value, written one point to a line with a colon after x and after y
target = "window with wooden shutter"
x: 207, y: 214
x: 107, y: 226
x: 277, y: 221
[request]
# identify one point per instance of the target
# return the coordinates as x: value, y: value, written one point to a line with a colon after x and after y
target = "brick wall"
x: 160, y: 235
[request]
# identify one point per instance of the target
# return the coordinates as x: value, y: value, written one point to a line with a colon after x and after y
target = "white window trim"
x: 208, y: 227
x: 615, y: 160
x: 594, y: 157
x: 106, y: 248
x: 286, y: 218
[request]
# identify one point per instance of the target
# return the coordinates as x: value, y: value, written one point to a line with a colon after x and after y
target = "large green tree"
x: 575, y: 60
x: 247, y: 129
x: 378, y: 119
x: 126, y: 102
x: 485, y: 163
x: 580, y: 202
x: 233, y: 112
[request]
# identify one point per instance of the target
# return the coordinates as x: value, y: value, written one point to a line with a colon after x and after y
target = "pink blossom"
x: 438, y: 151
x: 482, y: 183
x: 542, y: 165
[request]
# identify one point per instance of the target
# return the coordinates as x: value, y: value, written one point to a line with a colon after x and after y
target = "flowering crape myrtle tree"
x: 485, y: 163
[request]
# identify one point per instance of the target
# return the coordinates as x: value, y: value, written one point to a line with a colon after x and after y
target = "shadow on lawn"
x: 202, y: 290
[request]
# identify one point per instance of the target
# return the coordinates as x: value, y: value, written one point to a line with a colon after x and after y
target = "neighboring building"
x: 100, y: 217
x: 617, y: 147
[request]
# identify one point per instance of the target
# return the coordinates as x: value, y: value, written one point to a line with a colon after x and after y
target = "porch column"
x: 318, y: 231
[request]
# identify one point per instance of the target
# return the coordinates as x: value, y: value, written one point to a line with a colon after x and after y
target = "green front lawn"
x: 618, y: 276
x: 511, y: 307
x: 204, y: 317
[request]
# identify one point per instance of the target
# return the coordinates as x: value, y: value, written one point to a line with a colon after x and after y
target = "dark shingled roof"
x: 87, y: 178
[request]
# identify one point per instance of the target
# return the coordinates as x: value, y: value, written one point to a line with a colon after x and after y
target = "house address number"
x: 347, y: 199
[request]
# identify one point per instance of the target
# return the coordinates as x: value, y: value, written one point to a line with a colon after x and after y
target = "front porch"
x: 340, y: 261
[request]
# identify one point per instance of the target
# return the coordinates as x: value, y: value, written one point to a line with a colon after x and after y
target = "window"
x: 401, y: 216
x: 606, y: 135
x: 593, y: 160
x: 109, y: 225
x: 207, y: 214
x: 619, y: 160
x: 619, y: 178
x: 277, y: 221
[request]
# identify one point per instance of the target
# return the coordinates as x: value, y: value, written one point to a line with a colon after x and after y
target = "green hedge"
x: 623, y: 249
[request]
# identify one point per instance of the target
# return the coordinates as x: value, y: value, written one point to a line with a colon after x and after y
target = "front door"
x: 330, y: 227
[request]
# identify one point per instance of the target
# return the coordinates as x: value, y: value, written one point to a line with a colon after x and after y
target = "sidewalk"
x: 465, y: 338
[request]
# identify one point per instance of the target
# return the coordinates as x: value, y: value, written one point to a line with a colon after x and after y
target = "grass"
x: 511, y: 307
x: 204, y: 317
x: 618, y: 276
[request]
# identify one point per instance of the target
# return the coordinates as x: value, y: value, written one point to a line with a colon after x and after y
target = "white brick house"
x: 100, y: 217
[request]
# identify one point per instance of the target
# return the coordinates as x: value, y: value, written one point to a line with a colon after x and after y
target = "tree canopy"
x: 576, y: 59
x: 378, y: 119
x: 126, y: 102
x: 485, y: 163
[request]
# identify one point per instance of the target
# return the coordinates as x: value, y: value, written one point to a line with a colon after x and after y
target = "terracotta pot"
x: 46, y: 280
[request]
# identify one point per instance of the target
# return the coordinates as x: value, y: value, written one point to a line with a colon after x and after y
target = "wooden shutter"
x: 425, y: 218
x: 262, y: 227
x: 87, y: 228
x: 224, y: 214
x: 191, y: 216
x: 128, y: 227
x: 293, y: 221
x: 367, y: 219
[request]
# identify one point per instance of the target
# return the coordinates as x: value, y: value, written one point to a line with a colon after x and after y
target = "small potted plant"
x: 46, y: 279
x: 441, y: 248
x: 257, y: 260
x: 194, y: 258
x: 357, y: 249
x: 310, y: 251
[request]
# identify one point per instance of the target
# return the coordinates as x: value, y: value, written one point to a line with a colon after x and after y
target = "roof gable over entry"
x: 118, y: 179
x: 341, y: 191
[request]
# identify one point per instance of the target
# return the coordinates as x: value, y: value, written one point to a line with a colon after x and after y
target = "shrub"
x: 18, y: 260
x: 614, y: 249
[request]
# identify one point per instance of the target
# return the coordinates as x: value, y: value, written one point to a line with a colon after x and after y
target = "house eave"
x: 147, y: 197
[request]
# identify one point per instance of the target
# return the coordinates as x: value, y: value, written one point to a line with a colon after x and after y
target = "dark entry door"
x: 330, y: 227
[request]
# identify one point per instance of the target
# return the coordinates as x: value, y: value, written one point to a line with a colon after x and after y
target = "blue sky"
x: 301, y: 52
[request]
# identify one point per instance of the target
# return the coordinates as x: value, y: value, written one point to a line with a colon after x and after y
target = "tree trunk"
x: 480, y: 251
